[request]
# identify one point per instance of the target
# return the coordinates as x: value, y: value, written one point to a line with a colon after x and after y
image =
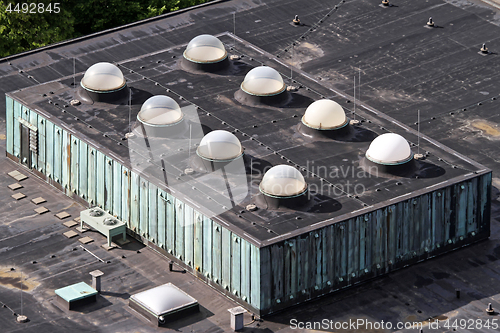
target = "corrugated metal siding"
x: 108, y: 184
x: 41, y: 144
x: 9, y: 123
x: 32, y: 117
x: 74, y: 163
x: 350, y: 251
x: 17, y: 129
x: 92, y: 176
x: 153, y: 214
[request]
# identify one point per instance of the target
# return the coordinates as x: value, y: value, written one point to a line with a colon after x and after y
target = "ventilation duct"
x: 205, y: 53
x: 103, y: 82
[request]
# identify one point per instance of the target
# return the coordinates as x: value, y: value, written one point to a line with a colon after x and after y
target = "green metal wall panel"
x: 117, y: 190
x: 226, y: 259
x: 471, y: 206
x: 179, y: 229
x: 162, y: 218
x: 236, y: 265
x: 245, y: 270
x: 74, y: 170
x: 83, y: 166
x: 255, y: 280
x: 170, y: 232
x: 33, y: 119
x: 198, y: 241
x: 92, y: 176
x: 108, y: 184
x: 266, y: 281
x: 153, y: 214
x: 17, y: 129
x: 207, y: 246
x: 66, y: 159
x: 100, y: 172
x: 9, y: 123
x: 188, y: 235
x: 217, y: 253
x: 125, y: 195
x: 50, y: 148
x: 42, y: 122
x: 144, y: 208
x: 134, y: 201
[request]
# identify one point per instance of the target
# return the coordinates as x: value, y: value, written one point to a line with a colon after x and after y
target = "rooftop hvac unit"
x: 103, y: 222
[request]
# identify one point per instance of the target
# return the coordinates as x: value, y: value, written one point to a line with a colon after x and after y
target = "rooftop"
x: 404, y: 67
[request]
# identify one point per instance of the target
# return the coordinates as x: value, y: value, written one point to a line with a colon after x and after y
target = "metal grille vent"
x: 109, y: 221
x: 96, y: 212
x: 34, y: 141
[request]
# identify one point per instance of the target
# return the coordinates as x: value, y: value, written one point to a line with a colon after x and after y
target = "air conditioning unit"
x: 103, y: 222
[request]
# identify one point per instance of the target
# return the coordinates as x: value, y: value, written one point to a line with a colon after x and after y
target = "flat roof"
x: 268, y: 134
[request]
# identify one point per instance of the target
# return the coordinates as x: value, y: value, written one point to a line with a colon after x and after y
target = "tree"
x: 24, y: 31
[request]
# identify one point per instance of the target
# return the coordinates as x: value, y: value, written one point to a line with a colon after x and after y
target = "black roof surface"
x: 269, y: 134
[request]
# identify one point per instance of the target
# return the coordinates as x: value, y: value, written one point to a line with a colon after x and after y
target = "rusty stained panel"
x: 9, y: 123
x: 134, y: 201
x: 100, y: 174
x: 117, y: 190
x: 126, y: 196
x: 33, y: 119
x: 17, y: 128
x: 198, y: 241
x: 50, y: 148
x: 188, y: 235
x: 42, y: 123
x: 179, y: 229
x: 153, y: 214
x: 207, y: 245
x: 143, y: 208
x: 170, y: 229
x: 108, y: 184
x: 74, y: 169
x: 162, y: 218
x: 92, y: 176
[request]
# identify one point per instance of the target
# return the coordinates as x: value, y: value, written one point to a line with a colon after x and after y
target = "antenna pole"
x: 129, y: 108
x: 234, y: 29
x: 189, y: 150
x: 74, y: 74
x: 418, y: 130
x: 21, y: 293
x: 354, y: 110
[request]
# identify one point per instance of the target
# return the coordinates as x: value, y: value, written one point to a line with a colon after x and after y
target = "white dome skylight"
x: 160, y: 110
x: 283, y: 181
x: 219, y: 145
x: 324, y: 114
x: 103, y: 77
x: 389, y: 149
x: 263, y: 81
x: 205, y: 49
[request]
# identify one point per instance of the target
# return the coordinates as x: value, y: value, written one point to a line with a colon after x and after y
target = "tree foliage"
x: 24, y: 31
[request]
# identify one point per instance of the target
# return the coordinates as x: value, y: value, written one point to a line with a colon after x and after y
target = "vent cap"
x: 389, y: 149
x: 283, y: 181
x: 324, y: 114
x: 103, y: 77
x: 205, y: 49
x: 220, y: 145
x: 160, y: 110
x: 263, y: 81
